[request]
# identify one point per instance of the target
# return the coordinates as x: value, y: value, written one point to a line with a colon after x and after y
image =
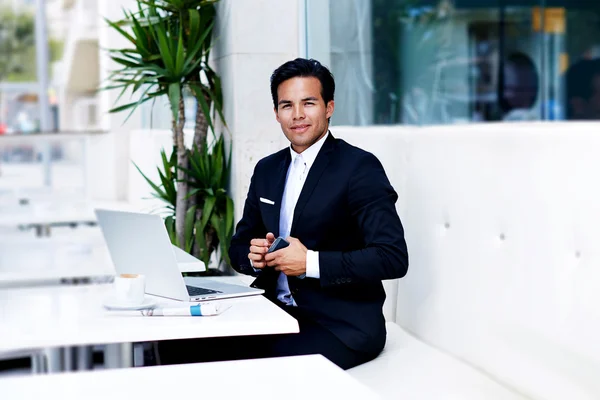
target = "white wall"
x: 145, y: 146
x: 253, y: 38
x: 110, y: 152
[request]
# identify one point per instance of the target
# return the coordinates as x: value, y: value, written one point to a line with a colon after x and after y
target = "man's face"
x: 302, y: 112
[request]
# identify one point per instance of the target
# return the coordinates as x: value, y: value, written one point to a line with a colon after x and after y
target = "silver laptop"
x: 139, y: 244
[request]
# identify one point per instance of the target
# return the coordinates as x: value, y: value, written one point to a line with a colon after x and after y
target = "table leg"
x: 138, y: 355
x: 118, y: 355
x: 68, y: 354
x: 39, y: 363
x: 54, y: 360
x: 84, y: 359
x: 42, y: 230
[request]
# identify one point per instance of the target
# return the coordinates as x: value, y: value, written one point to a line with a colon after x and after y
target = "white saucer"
x: 112, y: 304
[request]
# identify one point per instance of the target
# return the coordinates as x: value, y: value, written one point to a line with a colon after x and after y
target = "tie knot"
x: 298, y: 160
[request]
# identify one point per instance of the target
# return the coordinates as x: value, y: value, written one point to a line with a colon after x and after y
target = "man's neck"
x: 315, y: 142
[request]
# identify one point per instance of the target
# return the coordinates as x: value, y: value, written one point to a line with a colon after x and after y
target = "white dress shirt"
x: 294, y: 182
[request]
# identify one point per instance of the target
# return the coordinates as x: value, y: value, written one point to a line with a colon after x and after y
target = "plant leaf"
x: 194, y: 26
x: 158, y: 191
x: 179, y: 56
x: 201, y: 242
x: 163, y: 46
x: 126, y: 106
x: 170, y: 225
x: 190, y: 217
x: 229, y: 216
x: 120, y: 30
x: 198, y: 90
x: 207, y: 211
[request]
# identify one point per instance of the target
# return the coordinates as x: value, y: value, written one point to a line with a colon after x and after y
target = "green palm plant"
x: 208, y: 176
x: 170, y: 47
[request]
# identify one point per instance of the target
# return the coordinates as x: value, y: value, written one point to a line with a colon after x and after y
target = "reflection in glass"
x: 459, y: 61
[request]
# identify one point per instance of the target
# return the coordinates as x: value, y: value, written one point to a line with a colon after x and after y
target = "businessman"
x: 336, y: 207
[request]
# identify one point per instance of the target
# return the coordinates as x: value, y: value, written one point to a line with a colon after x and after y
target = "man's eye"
x: 285, y: 106
x: 309, y: 103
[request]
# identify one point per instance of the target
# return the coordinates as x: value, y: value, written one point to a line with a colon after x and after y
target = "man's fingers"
x: 256, y: 257
x: 270, y: 237
x: 258, y: 249
x: 259, y: 242
x: 258, y: 264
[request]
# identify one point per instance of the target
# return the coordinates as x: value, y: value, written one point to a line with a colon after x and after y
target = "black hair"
x: 303, y: 68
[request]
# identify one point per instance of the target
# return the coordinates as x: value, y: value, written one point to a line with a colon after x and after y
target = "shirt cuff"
x: 312, y: 264
x: 255, y: 269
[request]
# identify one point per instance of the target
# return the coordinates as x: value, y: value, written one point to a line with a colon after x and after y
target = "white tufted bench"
x: 502, y: 297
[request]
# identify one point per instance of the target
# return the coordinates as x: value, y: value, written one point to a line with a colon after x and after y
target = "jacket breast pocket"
x: 269, y: 213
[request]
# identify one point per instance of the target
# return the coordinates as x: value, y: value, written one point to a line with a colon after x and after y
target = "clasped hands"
x: 290, y: 260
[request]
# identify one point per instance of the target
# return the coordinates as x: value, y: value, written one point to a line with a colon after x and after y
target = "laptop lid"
x: 139, y: 244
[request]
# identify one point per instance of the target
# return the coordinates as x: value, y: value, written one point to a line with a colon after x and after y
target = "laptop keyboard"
x: 198, y: 291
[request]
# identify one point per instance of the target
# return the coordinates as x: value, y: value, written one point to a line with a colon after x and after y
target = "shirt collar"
x: 310, y: 155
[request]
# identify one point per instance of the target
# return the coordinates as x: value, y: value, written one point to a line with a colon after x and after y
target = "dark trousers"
x: 312, y: 339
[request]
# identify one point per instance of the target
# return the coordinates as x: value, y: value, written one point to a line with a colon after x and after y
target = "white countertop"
x: 41, y: 317
x: 303, y: 377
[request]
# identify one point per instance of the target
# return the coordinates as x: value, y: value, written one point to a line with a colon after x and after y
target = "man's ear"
x: 276, y: 115
x: 330, y: 108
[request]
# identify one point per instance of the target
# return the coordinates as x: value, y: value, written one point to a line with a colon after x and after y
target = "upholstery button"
x: 447, y: 225
x: 502, y: 236
x: 578, y: 254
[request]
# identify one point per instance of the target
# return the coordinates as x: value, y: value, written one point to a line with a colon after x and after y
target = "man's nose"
x: 298, y: 112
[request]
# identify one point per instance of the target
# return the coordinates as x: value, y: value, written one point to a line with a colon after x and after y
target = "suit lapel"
x: 314, y: 175
x: 278, y: 177
x: 267, y: 280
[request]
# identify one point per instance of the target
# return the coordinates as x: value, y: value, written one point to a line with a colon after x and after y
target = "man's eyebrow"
x: 311, y: 98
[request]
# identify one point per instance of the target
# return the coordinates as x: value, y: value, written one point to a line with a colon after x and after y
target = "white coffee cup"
x: 129, y: 289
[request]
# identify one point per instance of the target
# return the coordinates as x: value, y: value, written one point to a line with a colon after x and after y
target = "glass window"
x: 458, y: 61
x: 18, y: 96
x: 17, y: 42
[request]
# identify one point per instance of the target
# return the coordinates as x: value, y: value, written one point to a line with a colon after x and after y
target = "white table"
x: 35, y: 261
x: 52, y: 208
x: 66, y: 317
x: 44, y: 217
x: 54, y: 260
x: 303, y: 377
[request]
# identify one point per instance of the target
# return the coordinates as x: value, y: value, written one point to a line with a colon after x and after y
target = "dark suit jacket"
x: 345, y: 212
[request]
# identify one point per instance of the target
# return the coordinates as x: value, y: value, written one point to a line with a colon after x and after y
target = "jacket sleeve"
x: 371, y: 201
x: 249, y: 227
